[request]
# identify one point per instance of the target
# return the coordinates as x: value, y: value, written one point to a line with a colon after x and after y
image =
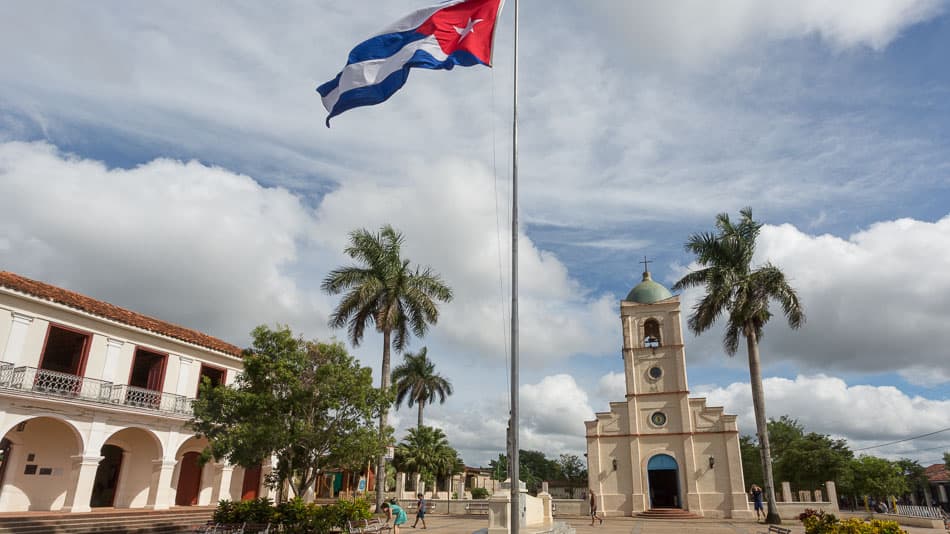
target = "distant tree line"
x: 807, y: 459
x: 536, y: 468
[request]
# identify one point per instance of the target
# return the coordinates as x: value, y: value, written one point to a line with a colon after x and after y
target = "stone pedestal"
x: 400, y: 485
x: 786, y: 492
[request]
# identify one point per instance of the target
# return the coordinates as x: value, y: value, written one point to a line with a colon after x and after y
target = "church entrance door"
x: 662, y: 472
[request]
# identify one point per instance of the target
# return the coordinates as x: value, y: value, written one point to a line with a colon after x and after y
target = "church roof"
x: 648, y: 291
x: 112, y: 312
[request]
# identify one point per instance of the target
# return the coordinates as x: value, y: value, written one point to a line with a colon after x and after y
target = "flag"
x: 456, y: 32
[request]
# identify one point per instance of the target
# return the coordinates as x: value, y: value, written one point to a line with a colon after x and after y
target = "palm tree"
x: 733, y: 286
x: 426, y: 451
x: 417, y: 382
x: 385, y: 291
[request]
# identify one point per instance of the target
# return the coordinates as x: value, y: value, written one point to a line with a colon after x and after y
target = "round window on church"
x: 658, y: 418
x: 655, y: 372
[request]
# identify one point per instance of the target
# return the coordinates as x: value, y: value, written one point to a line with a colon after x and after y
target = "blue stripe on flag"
x: 375, y: 94
x: 383, y: 46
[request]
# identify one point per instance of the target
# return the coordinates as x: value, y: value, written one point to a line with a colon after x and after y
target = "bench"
x: 363, y: 526
x: 478, y: 507
x: 773, y: 529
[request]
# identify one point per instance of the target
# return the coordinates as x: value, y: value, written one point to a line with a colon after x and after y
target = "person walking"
x: 756, y: 493
x: 420, y: 511
x: 395, y: 513
x: 593, y: 509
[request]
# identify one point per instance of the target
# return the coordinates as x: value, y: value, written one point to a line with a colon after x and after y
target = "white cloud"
x: 865, y: 415
x: 691, y: 31
x: 611, y: 387
x: 181, y: 241
x: 873, y: 300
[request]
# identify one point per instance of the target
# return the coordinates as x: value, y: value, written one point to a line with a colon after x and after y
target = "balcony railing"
x: 62, y: 385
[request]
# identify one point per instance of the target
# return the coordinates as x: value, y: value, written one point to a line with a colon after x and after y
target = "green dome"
x: 648, y: 291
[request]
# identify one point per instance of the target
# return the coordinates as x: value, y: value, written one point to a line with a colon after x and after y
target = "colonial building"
x: 94, y: 405
x: 659, y: 448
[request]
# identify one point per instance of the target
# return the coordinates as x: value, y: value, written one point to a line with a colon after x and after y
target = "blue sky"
x: 149, y: 155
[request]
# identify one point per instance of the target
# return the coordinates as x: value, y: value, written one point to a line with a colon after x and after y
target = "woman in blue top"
x: 396, y: 513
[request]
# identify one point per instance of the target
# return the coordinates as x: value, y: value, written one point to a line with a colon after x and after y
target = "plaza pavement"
x: 628, y: 525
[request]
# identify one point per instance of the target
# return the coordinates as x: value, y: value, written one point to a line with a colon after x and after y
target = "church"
x: 659, y: 451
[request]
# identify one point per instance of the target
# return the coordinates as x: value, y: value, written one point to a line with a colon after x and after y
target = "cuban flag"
x: 456, y: 32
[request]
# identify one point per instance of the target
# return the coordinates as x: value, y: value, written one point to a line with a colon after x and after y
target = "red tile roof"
x: 110, y: 311
x: 937, y: 473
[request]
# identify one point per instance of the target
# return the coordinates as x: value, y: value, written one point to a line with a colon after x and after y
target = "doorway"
x: 107, y: 477
x: 189, y: 480
x: 252, y: 483
x: 663, y: 478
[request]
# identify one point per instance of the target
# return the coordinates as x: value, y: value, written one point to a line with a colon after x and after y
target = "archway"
x: 140, y: 448
x: 107, y: 477
x: 663, y: 478
x: 38, y: 458
x: 189, y: 480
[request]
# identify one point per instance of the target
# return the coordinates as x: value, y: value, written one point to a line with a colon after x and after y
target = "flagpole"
x: 513, y: 462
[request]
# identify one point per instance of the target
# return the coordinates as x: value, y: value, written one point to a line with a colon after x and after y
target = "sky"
x: 171, y: 158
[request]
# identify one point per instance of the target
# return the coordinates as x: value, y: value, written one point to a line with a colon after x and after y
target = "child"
x: 394, y: 511
x: 420, y: 511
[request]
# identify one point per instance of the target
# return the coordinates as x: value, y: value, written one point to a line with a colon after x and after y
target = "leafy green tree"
x: 915, y: 475
x: 534, y: 468
x: 499, y: 468
x: 571, y: 468
x: 426, y: 450
x: 751, y: 461
x: 876, y: 477
x: 309, y: 404
x: 734, y: 287
x: 385, y: 291
x: 418, y: 383
x: 807, y: 462
x: 782, y: 433
x: 946, y: 460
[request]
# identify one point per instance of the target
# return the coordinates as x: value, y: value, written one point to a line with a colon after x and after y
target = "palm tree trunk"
x: 761, y: 424
x: 420, y: 415
x: 383, y: 420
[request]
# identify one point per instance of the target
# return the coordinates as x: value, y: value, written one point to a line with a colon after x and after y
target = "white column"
x: 113, y: 351
x: 121, y: 498
x: 160, y: 494
x: 224, y: 485
x: 207, y: 484
x: 19, y: 326
x: 14, y: 466
x: 81, y: 480
x: 184, y: 377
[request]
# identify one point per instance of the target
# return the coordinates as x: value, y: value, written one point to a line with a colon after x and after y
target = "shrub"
x: 818, y: 522
x: 480, y: 493
x: 294, y: 516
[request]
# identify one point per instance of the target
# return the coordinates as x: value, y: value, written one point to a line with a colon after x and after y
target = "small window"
x: 65, y: 351
x: 651, y: 333
x: 655, y: 372
x: 658, y: 418
x: 148, y: 370
x: 213, y: 374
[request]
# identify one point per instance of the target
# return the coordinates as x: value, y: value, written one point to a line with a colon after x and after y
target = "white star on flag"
x: 469, y: 28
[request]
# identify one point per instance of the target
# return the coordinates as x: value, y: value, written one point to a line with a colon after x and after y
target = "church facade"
x: 659, y: 449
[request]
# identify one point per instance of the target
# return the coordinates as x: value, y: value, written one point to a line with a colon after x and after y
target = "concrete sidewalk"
x: 629, y: 525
